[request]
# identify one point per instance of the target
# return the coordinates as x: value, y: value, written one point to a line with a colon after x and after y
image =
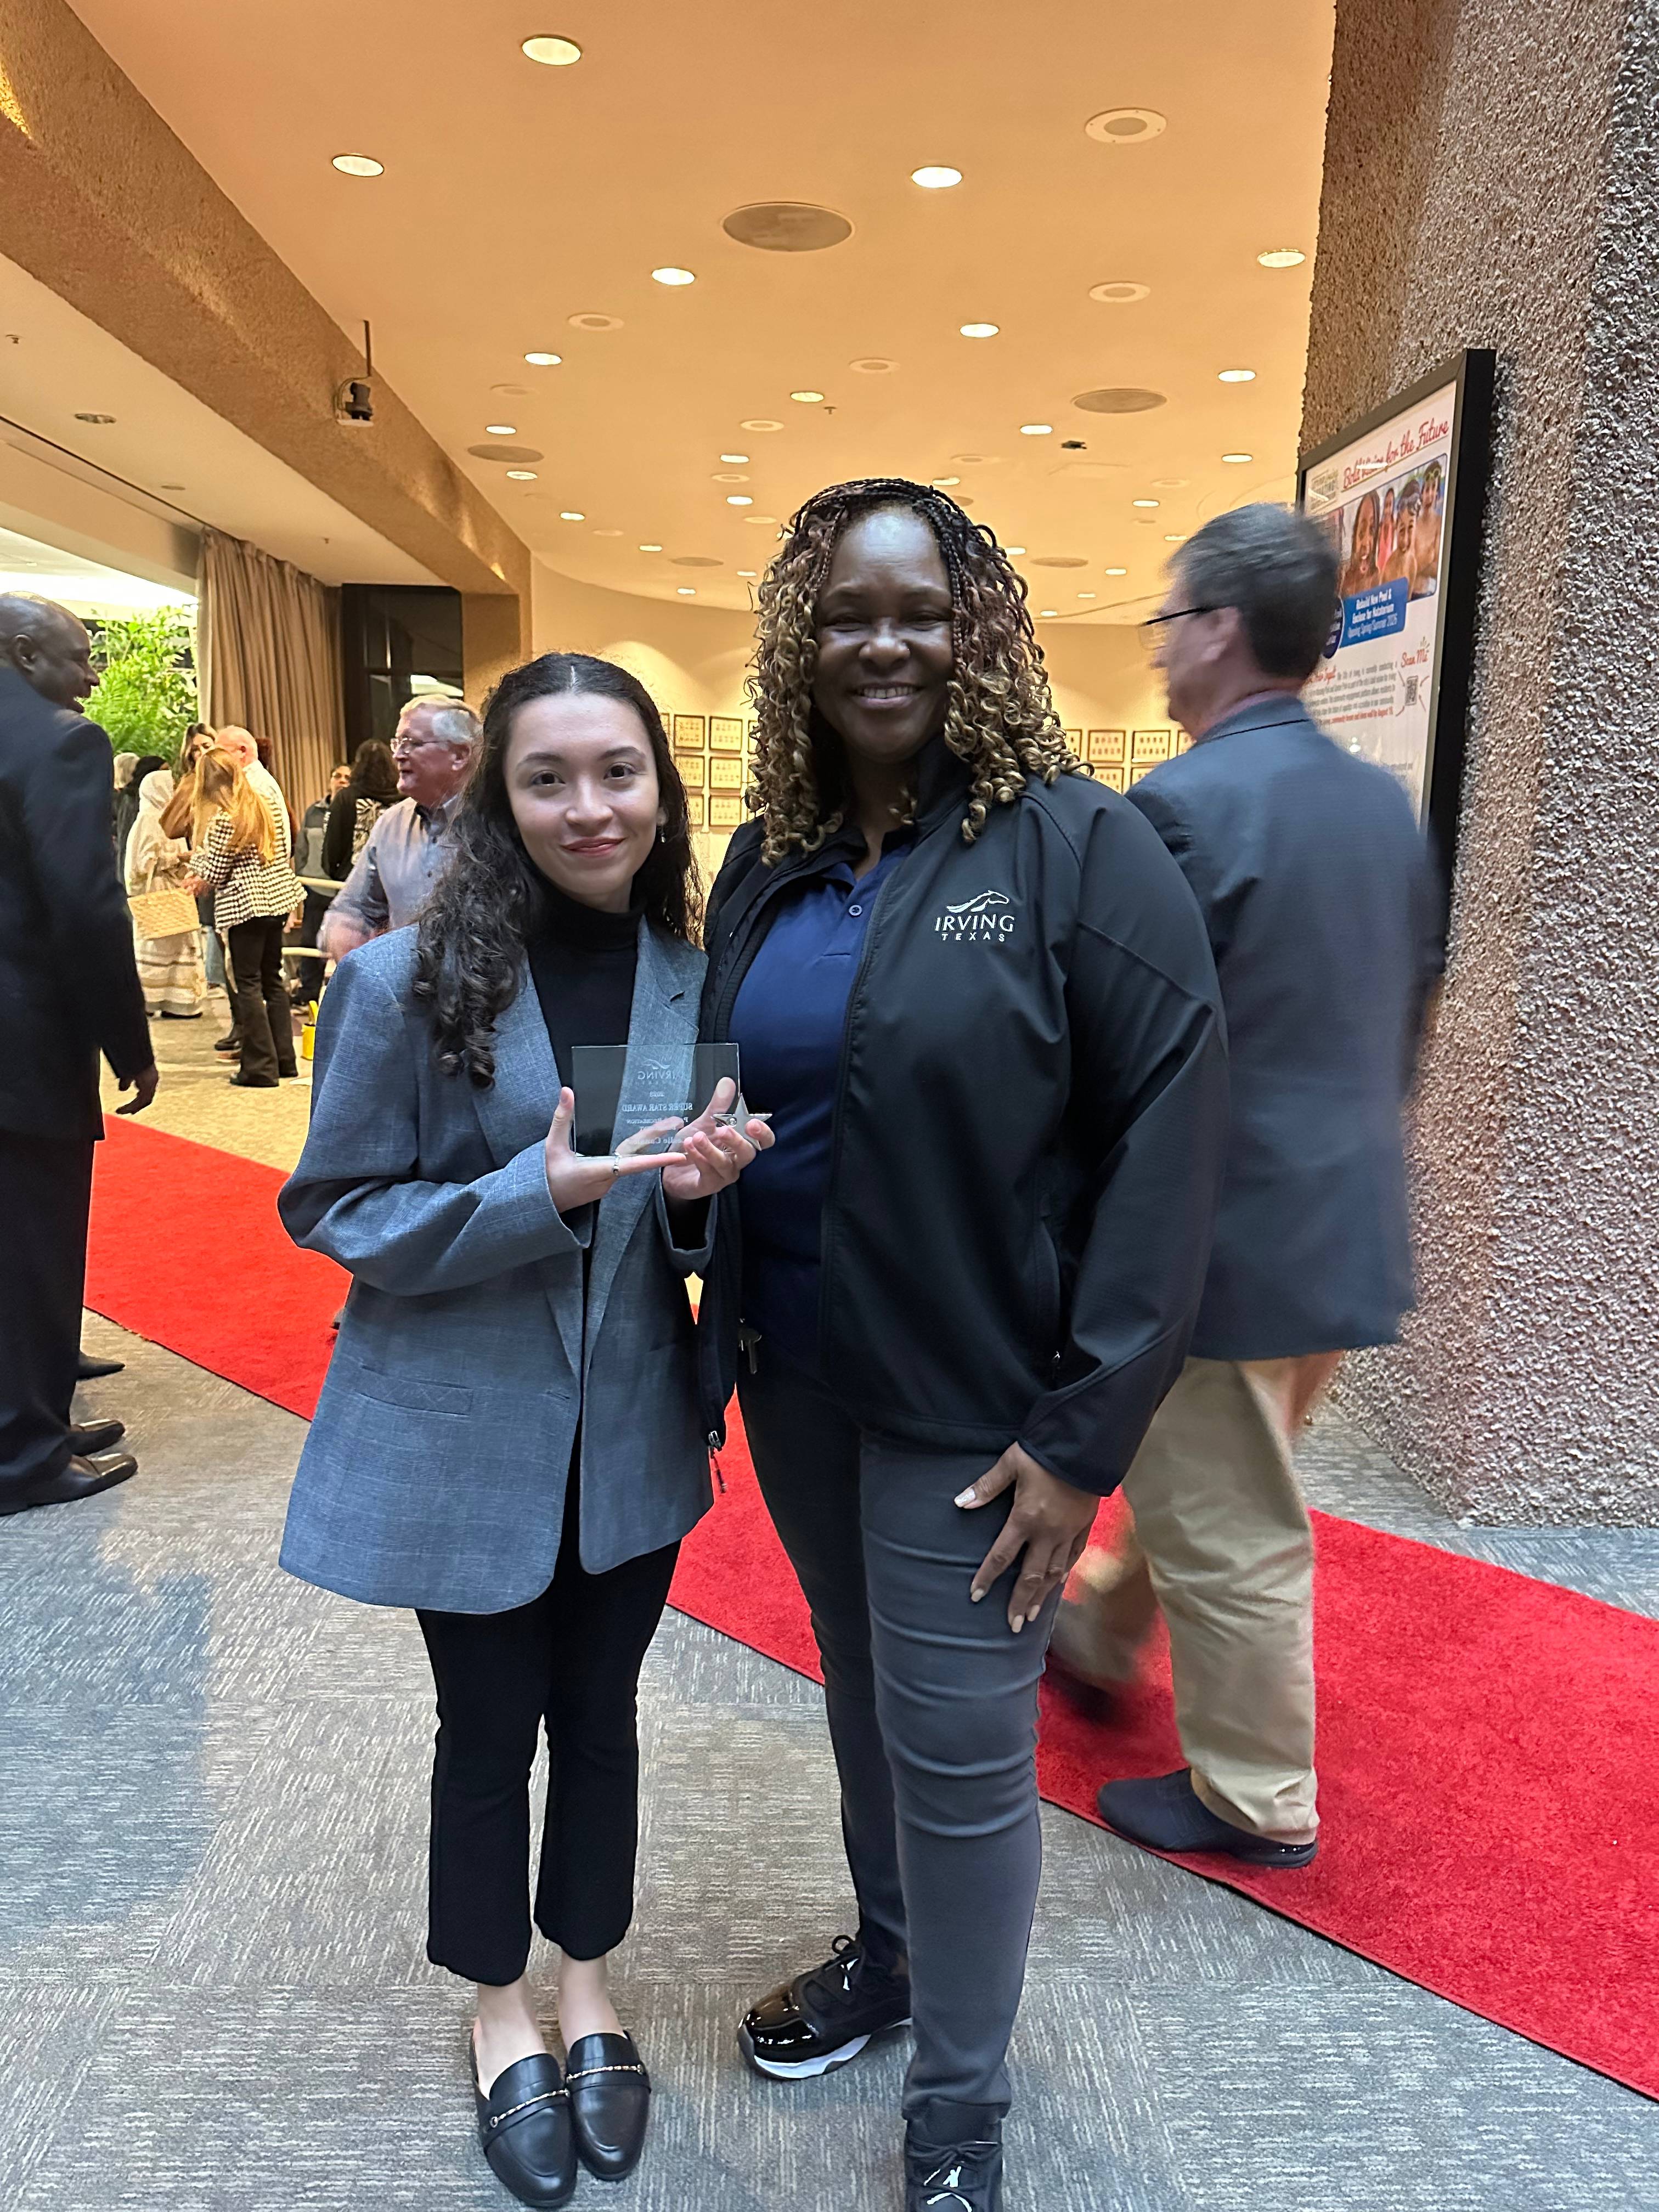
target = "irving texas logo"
x: 987, y: 919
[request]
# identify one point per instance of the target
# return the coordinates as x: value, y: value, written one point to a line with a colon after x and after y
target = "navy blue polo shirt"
x: 788, y: 1023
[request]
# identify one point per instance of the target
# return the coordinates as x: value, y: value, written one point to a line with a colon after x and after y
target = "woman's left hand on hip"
x: 1049, y: 1522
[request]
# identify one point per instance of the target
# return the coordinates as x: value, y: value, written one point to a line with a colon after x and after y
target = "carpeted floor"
x: 213, y: 1997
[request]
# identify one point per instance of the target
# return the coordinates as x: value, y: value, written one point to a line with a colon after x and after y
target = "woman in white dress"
x: 169, y: 968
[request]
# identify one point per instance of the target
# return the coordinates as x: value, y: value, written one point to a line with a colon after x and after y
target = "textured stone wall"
x: 1491, y: 178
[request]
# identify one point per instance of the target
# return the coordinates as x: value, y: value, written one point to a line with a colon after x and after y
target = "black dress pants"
x: 569, y: 1659
x: 261, y: 1011
x: 45, y: 1192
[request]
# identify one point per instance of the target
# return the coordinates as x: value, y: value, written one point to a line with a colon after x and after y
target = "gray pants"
x: 932, y: 1704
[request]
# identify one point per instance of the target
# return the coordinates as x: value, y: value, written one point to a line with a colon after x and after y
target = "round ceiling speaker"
x: 499, y: 450
x: 872, y: 364
x: 1058, y: 560
x: 1119, y: 294
x: 786, y: 226
x: 1125, y: 126
x: 1118, y: 399
x: 592, y: 322
x: 692, y: 561
x: 760, y: 423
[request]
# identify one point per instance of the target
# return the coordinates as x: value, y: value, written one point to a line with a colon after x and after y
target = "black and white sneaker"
x: 967, y: 2178
x: 825, y: 2016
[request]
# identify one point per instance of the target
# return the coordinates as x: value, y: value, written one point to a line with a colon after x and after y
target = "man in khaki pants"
x: 1324, y: 917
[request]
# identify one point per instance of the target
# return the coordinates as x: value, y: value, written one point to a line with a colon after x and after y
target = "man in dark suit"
x: 1324, y: 916
x: 69, y: 990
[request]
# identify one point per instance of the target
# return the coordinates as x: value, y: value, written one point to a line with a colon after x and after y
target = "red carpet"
x: 1488, y: 1743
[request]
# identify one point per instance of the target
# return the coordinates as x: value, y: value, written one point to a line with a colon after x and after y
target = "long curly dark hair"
x: 999, y: 716
x: 472, y: 930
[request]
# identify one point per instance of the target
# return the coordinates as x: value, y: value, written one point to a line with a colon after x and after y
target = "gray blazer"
x: 1323, y: 910
x: 435, y: 1472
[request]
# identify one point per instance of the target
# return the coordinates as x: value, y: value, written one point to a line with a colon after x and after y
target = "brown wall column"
x: 494, y: 639
x: 1491, y: 179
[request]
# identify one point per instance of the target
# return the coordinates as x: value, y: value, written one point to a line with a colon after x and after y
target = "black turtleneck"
x: 581, y: 961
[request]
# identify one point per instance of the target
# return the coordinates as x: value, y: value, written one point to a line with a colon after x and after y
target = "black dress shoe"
x: 1165, y: 1811
x: 87, y: 1438
x: 825, y: 2016
x: 229, y: 1042
x: 88, y: 1368
x: 246, y: 1082
x: 524, y: 2124
x: 79, y: 1478
x: 610, y: 2103
x: 964, y: 2177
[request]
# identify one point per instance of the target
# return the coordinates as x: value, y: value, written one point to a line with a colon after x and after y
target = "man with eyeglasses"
x: 1324, y: 916
x: 408, y: 848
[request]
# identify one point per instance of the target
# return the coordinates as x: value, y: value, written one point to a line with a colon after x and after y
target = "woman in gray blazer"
x: 507, y: 1440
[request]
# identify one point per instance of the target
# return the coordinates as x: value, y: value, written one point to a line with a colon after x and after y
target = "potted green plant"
x: 145, y: 695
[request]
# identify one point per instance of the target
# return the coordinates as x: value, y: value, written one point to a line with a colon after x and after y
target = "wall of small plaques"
x: 1121, y: 757
x: 714, y: 754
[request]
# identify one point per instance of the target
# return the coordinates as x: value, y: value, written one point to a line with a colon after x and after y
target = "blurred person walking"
x: 1324, y: 915
x: 308, y: 858
x: 126, y: 805
x: 408, y: 848
x: 68, y: 992
x: 169, y: 966
x: 371, y: 788
x: 238, y: 854
x: 121, y: 771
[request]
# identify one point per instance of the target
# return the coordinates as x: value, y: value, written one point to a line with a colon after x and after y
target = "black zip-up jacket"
x: 1029, y: 1131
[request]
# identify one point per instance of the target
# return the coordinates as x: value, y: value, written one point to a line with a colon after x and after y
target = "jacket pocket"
x: 413, y: 1395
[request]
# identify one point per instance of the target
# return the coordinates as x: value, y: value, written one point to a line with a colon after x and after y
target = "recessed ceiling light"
x: 1117, y: 572
x: 571, y: 514
x: 980, y: 330
x: 808, y: 398
x: 1125, y: 126
x: 556, y: 53
x: 1236, y: 375
x: 1036, y: 429
x: 588, y: 320
x: 749, y: 572
x: 1119, y: 293
x: 673, y: 276
x: 1238, y: 456
x: 760, y: 423
x: 944, y: 484
x: 1016, y: 551
x: 1048, y: 612
x: 1281, y: 257
x: 738, y: 498
x: 872, y: 364
x: 729, y: 476
x: 502, y: 430
x: 522, y: 476
x: 1143, y: 502
x: 686, y: 590
x: 736, y: 460
x: 358, y: 165
x: 544, y: 360
x: 1175, y: 538
x: 760, y: 518
x: 1085, y: 595
x: 651, y: 549
x: 936, y: 178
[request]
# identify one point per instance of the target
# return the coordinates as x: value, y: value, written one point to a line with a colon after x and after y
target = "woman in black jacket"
x: 977, y: 997
x: 352, y: 812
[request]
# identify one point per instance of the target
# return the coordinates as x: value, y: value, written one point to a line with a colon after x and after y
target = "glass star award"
x: 630, y: 1099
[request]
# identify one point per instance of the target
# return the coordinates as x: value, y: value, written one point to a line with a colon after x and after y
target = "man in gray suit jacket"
x: 1324, y: 916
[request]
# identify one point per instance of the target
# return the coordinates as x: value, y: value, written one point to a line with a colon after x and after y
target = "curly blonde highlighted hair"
x: 998, y: 717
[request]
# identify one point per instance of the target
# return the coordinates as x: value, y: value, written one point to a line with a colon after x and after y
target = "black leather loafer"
x: 1165, y: 1811
x: 825, y: 2017
x: 79, y: 1478
x: 524, y: 2124
x: 88, y: 1437
x: 610, y: 2103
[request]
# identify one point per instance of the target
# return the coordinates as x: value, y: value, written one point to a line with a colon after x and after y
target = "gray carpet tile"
x: 212, y: 1990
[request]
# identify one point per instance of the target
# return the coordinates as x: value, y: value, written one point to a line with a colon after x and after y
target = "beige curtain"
x: 268, y: 656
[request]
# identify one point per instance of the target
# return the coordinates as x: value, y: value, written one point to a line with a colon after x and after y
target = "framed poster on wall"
x: 694, y: 808
x: 688, y: 734
x: 1401, y: 496
x: 726, y: 733
x: 691, y: 768
x: 1106, y: 748
x: 724, y: 810
x: 1150, y: 745
x: 725, y: 773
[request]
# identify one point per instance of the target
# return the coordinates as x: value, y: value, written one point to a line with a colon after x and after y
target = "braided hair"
x: 998, y: 717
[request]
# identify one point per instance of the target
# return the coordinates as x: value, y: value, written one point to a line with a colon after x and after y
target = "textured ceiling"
x: 516, y: 197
